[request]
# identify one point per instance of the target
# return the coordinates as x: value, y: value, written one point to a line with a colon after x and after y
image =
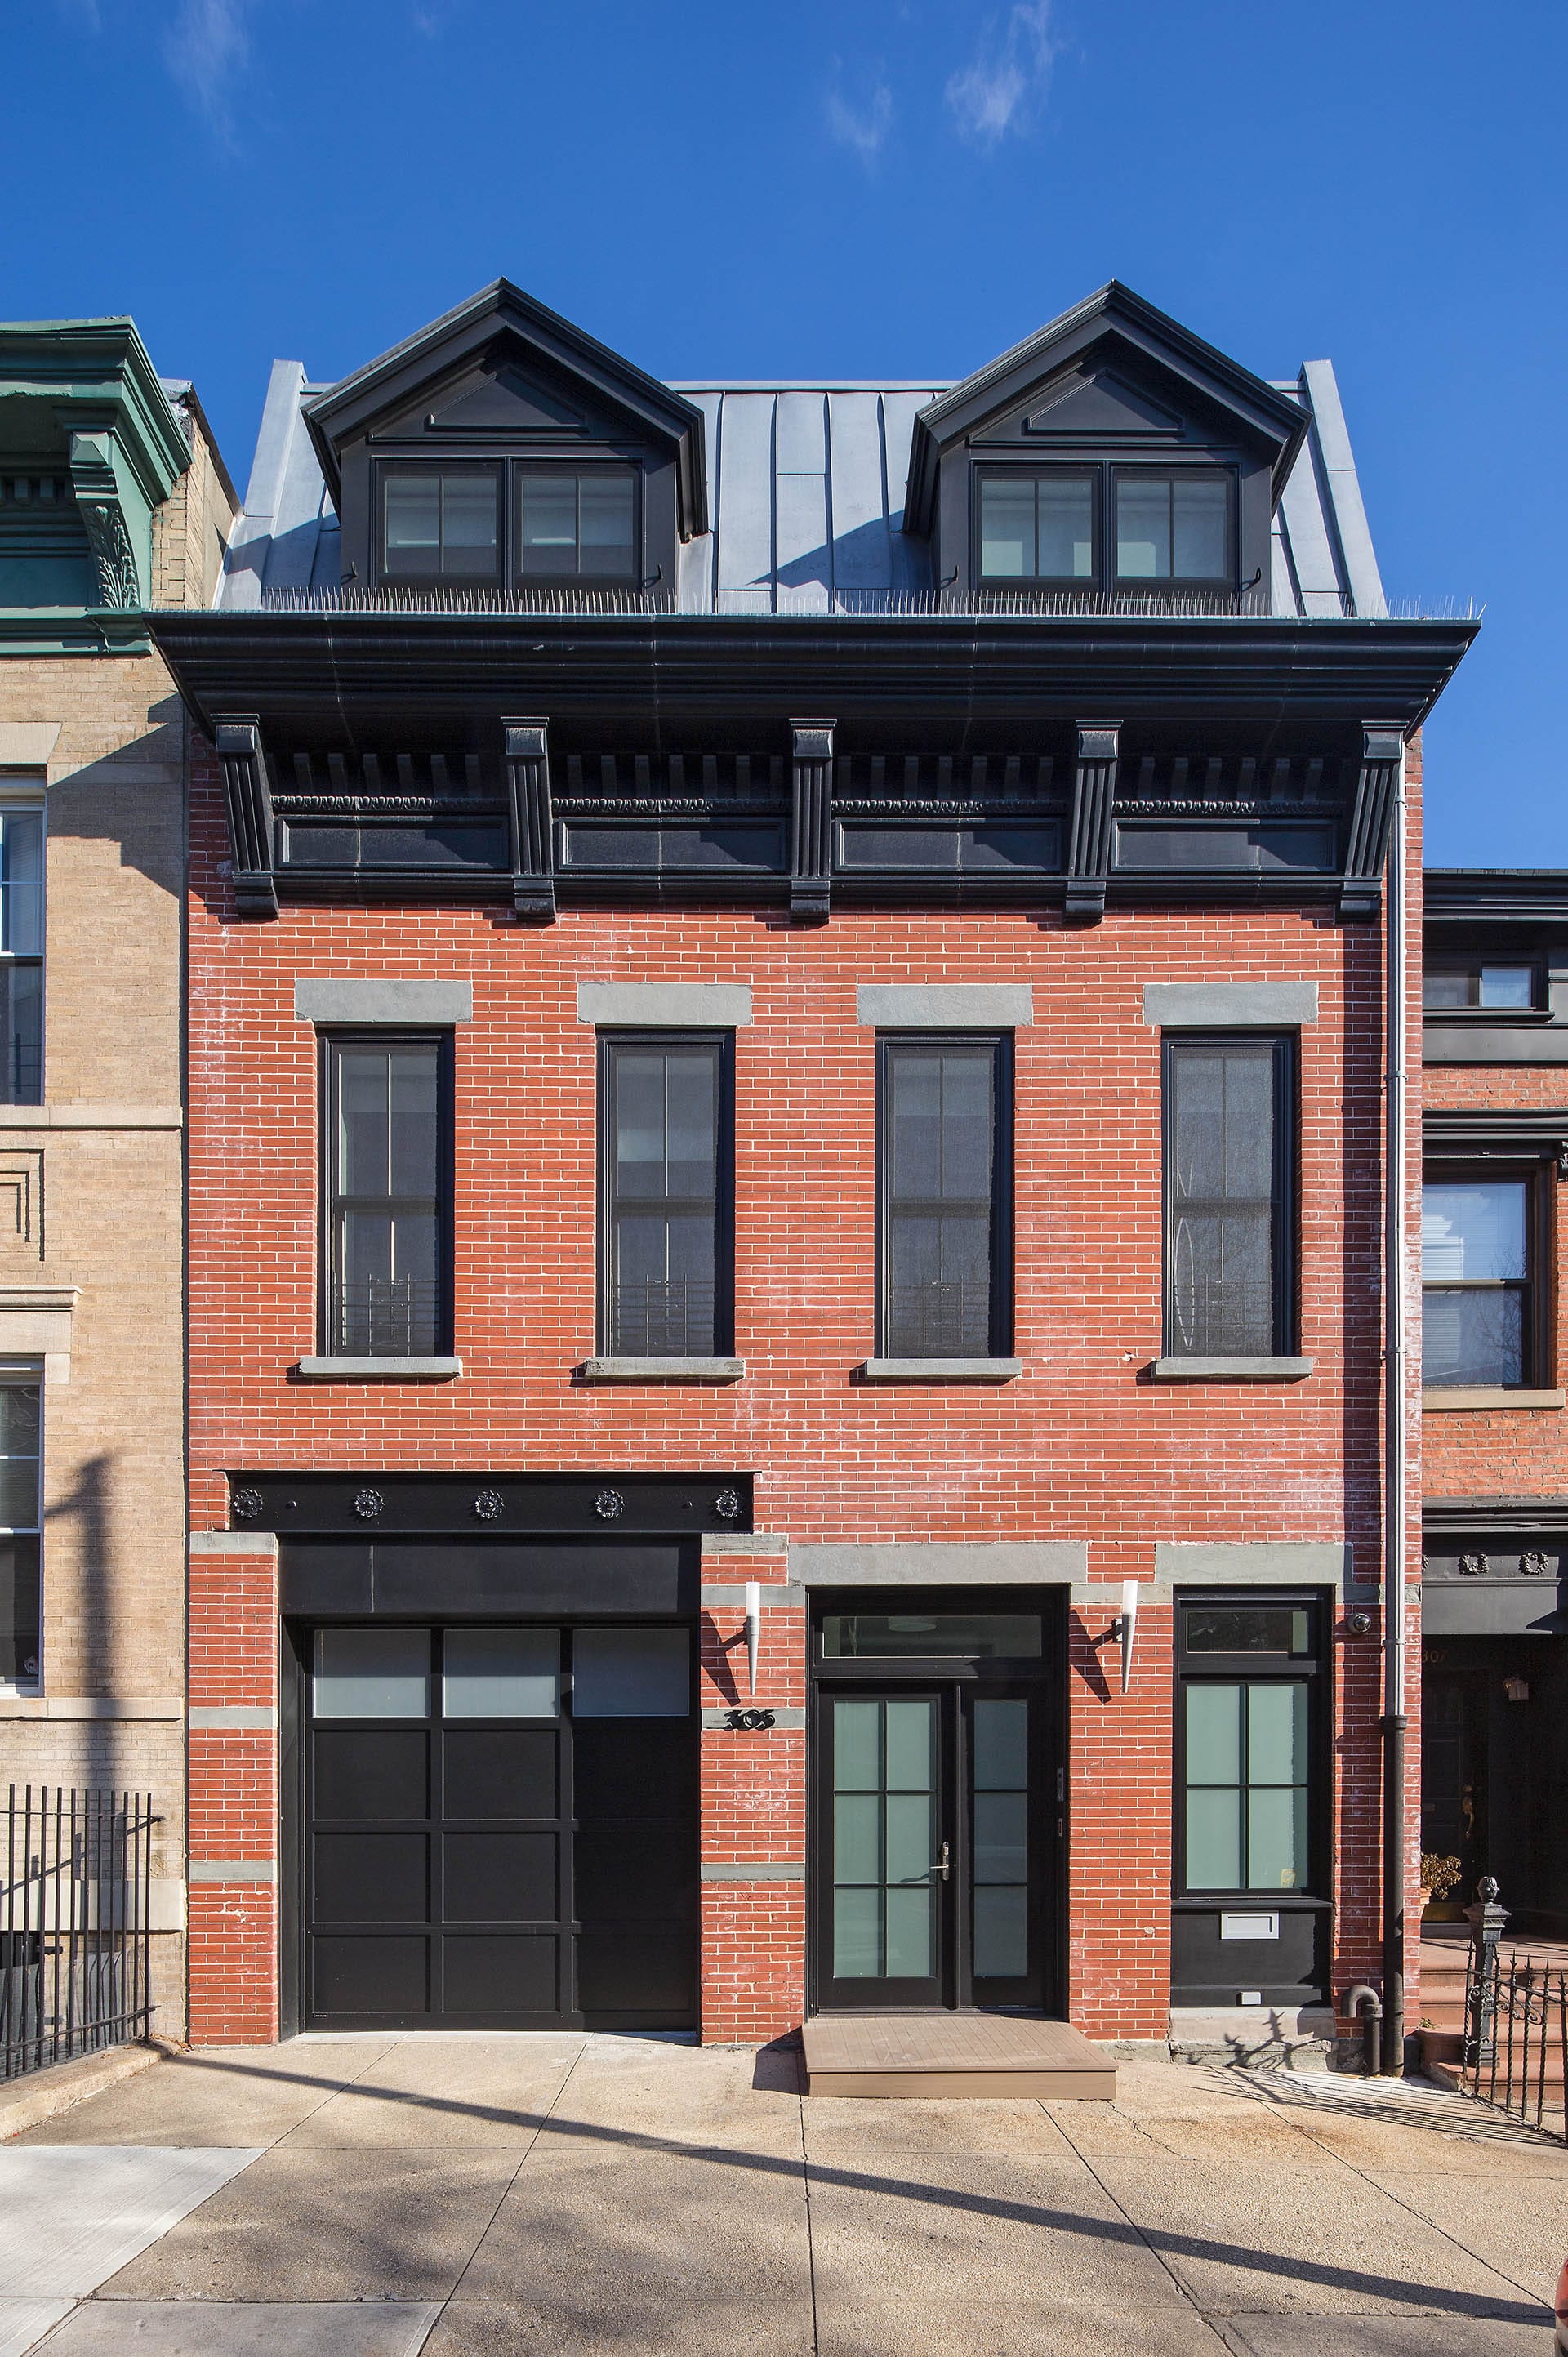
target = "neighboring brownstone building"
x: 112, y: 500
x: 1495, y: 1435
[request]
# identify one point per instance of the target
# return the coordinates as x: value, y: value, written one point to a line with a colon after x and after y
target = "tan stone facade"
x: 91, y: 1206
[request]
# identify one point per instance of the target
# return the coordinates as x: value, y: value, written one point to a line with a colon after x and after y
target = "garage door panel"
x: 501, y: 1772
x: 494, y: 1973
x: 634, y: 1768
x: 637, y: 1976
x: 363, y: 1773
x: 372, y: 1878
x: 623, y: 1878
x: 359, y: 1974
x: 500, y: 1878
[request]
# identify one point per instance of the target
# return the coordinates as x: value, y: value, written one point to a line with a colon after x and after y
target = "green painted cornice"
x: 94, y: 383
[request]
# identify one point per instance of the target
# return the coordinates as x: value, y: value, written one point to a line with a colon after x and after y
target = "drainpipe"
x: 1396, y: 1451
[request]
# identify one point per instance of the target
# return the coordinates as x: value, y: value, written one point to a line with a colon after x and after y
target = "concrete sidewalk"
x: 375, y: 2198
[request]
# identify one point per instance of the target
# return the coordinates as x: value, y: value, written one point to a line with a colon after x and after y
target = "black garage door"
x: 501, y: 1827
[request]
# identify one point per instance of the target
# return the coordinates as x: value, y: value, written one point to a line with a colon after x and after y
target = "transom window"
x: 1507, y: 985
x: 945, y: 1171
x: 1053, y: 526
x: 388, y: 1210
x: 554, y: 522
x: 1477, y: 1321
x: 21, y: 1523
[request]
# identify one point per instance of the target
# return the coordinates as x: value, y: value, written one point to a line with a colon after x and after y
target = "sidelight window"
x: 389, y: 1194
x: 667, y: 1135
x: 1229, y: 1187
x: 1478, y: 1325
x: 944, y: 1198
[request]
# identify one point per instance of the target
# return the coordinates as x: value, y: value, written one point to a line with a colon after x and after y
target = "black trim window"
x: 1501, y: 986
x: 388, y: 1210
x: 576, y: 524
x: 1230, y: 1158
x: 1478, y: 1266
x: 441, y: 523
x: 22, y: 953
x: 1039, y: 527
x: 1175, y: 528
x: 1249, y: 1741
x: 20, y: 1525
x: 666, y: 1129
x: 944, y: 1191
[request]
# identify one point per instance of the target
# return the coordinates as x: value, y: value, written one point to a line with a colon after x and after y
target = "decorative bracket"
x: 98, y: 504
x: 1372, y: 816
x: 248, y: 799
x: 812, y: 805
x: 1093, y: 787
x: 533, y: 833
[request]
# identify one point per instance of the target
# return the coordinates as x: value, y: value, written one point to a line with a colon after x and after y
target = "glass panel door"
x: 889, y: 1865
x: 1004, y: 1850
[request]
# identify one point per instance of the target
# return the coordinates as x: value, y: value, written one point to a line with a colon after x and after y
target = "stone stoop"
x: 1257, y: 2036
x: 982, y: 2055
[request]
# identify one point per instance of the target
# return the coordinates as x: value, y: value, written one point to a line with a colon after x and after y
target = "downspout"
x: 1396, y: 1452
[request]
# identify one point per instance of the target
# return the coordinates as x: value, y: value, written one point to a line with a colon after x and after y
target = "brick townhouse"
x: 112, y: 500
x: 1494, y: 1640
x: 788, y: 1102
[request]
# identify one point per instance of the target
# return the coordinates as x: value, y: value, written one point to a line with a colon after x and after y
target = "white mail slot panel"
x: 1248, y: 1927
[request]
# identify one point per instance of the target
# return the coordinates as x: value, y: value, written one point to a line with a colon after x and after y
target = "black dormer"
x: 1111, y: 455
x: 502, y: 449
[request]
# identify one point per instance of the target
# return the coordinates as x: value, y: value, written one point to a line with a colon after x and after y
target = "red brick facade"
x: 1084, y: 1447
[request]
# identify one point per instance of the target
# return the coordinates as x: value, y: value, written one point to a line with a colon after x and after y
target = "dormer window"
x: 442, y: 526
x: 576, y: 524
x: 1049, y: 527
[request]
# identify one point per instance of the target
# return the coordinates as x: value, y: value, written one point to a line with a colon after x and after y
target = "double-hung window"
x: 22, y: 952
x: 1229, y: 1196
x: 20, y: 1523
x: 944, y: 1197
x: 1479, y: 1322
x: 388, y: 1207
x: 666, y: 1131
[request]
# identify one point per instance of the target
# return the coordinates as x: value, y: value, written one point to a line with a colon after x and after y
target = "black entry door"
x: 1453, y: 1768
x: 934, y: 1838
x: 501, y: 1827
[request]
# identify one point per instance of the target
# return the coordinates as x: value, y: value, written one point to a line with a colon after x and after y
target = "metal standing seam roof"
x: 806, y: 493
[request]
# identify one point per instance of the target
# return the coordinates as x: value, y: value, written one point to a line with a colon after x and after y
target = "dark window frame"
x: 329, y: 1043
x: 1285, y: 1193
x: 1001, y: 1255
x: 1160, y: 584
x: 534, y: 469
x: 1253, y: 1669
x: 1103, y: 578
x: 1537, y: 1321
x: 1539, y: 1009
x: 611, y: 1043
x: 442, y: 464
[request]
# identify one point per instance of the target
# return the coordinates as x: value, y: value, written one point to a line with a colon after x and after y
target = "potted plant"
x: 1440, y: 1879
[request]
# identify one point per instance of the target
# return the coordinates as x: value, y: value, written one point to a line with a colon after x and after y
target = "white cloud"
x: 205, y: 50
x: 862, y: 128
x: 1000, y: 88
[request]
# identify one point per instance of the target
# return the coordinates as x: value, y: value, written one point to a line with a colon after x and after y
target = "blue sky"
x: 895, y: 188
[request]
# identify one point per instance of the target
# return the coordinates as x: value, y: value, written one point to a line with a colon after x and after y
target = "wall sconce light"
x: 1516, y: 1689
x: 1360, y: 1622
x: 753, y: 1628
x: 1126, y: 1627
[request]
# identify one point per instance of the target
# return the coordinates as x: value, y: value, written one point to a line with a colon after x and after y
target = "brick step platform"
x: 1002, y: 2056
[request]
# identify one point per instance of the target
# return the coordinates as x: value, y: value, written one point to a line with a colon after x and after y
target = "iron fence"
x: 385, y: 1317
x: 1515, y: 2035
x: 75, y: 1924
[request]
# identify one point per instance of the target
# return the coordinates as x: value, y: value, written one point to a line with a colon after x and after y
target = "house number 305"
x: 748, y: 1722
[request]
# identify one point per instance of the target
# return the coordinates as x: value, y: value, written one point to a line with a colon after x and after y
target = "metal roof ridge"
x: 806, y: 384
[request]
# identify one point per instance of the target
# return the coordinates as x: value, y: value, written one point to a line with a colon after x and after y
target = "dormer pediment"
x: 1094, y: 403
x: 500, y: 401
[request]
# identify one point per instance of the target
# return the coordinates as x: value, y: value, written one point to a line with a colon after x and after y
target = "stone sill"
x: 1489, y: 1395
x: 940, y: 1371
x: 372, y: 1370
x: 1231, y: 1371
x: 663, y: 1371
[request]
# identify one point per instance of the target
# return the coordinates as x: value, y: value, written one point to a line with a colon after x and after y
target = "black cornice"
x: 1495, y: 895
x: 328, y: 667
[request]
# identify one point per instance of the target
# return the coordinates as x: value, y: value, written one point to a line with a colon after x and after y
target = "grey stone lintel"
x: 663, y: 1371
x: 1229, y: 1006
x: 326, y: 999
x: 730, y: 1595
x: 941, y: 1371
x: 1254, y: 1563
x: 233, y: 1869
x: 1231, y: 1371
x: 352, y: 1371
x: 946, y: 1006
x: 925, y: 1564
x: 213, y: 1718
x: 234, y: 1543
x: 665, y: 1005
x: 790, y: 1869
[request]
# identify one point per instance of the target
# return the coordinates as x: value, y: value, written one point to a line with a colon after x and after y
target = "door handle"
x: 944, y: 1864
